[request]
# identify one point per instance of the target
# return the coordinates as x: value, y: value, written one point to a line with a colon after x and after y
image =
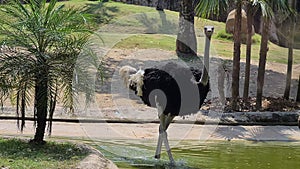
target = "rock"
x: 231, y: 19
x: 2, y: 167
x: 95, y: 161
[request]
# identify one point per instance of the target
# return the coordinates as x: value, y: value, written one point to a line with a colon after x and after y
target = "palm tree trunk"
x: 298, y: 91
x: 236, y: 55
x: 262, y: 62
x: 186, y: 39
x: 41, y: 101
x: 290, y: 56
x: 248, y: 53
x: 289, y: 70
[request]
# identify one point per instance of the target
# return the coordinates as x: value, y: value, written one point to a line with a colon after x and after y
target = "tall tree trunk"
x: 186, y: 39
x: 248, y: 52
x: 298, y: 91
x: 236, y: 55
x: 262, y: 62
x: 290, y: 55
x: 41, y: 105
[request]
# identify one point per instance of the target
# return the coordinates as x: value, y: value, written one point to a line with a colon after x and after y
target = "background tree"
x: 267, y: 7
x: 236, y: 55
x: 291, y: 34
x: 186, y: 41
x: 298, y: 91
x: 262, y: 61
x: 40, y: 47
x: 250, y: 11
x: 209, y: 7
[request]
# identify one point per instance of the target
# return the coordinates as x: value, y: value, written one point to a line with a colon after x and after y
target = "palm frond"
x: 206, y: 8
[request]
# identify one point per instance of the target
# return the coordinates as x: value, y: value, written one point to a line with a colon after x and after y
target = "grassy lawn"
x: 126, y: 17
x: 16, y: 154
x: 148, y: 41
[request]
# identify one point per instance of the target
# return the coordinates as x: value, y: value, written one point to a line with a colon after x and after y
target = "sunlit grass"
x: 16, y: 154
x: 148, y: 41
x: 223, y: 48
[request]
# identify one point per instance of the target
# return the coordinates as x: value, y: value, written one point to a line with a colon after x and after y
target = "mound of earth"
x: 269, y: 104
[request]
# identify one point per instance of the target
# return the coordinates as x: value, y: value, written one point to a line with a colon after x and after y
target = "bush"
x: 223, y: 35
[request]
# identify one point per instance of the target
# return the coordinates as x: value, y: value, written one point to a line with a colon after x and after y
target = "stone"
x: 231, y: 19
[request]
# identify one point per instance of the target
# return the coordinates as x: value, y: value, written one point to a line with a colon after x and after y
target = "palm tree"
x: 207, y: 8
x: 39, y: 50
x: 298, y: 91
x: 267, y: 7
x: 262, y: 61
x: 290, y: 52
x: 236, y: 55
x: 251, y: 9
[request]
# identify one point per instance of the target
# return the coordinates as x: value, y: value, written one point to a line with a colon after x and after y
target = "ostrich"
x: 175, y: 90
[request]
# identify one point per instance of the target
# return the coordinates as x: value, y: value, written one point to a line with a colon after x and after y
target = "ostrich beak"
x: 209, y: 30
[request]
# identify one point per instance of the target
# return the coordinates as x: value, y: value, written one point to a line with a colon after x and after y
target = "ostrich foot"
x: 163, y: 137
x: 166, y: 142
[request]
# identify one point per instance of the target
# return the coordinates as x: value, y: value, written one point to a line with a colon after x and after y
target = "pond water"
x: 128, y: 154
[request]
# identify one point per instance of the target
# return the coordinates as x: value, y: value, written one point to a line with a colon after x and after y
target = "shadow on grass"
x: 20, y: 149
x: 158, y: 24
x: 99, y: 13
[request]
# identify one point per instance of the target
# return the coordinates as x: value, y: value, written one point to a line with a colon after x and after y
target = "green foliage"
x: 256, y: 39
x: 223, y: 35
x: 206, y: 8
x: 20, y: 154
x: 40, y: 48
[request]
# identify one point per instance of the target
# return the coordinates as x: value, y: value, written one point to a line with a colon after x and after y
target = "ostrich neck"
x: 206, y: 54
x: 204, y: 77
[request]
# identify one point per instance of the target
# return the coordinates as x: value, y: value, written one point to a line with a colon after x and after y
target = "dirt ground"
x: 113, y: 101
x: 115, y: 58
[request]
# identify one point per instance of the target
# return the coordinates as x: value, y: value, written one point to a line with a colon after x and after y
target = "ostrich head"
x: 125, y: 72
x: 208, y: 30
x: 132, y: 78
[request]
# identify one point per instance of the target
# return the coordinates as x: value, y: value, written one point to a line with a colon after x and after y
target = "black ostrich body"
x: 173, y: 88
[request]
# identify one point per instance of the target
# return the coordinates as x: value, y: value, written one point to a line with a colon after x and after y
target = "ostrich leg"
x: 165, y: 121
x: 161, y: 117
x: 159, y: 142
x: 168, y: 120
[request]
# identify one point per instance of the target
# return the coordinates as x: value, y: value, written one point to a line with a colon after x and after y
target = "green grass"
x: 148, y: 41
x: 16, y: 154
x: 276, y: 53
x: 131, y: 18
x: 223, y: 35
